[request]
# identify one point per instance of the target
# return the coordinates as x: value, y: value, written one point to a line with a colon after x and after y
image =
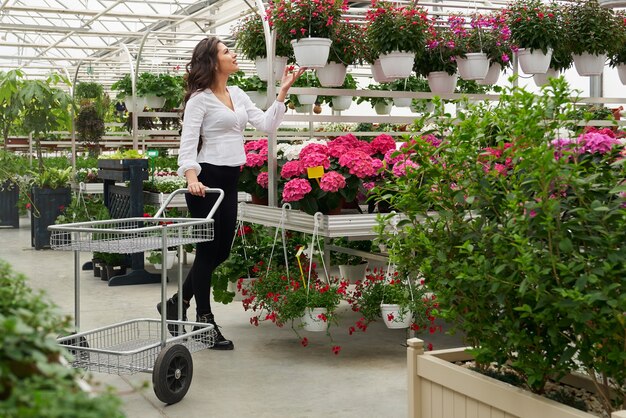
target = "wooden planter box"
x: 49, y: 204
x: 9, y: 211
x: 439, y: 388
x: 120, y: 170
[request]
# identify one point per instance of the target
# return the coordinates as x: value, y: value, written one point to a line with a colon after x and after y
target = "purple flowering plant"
x: 483, y: 33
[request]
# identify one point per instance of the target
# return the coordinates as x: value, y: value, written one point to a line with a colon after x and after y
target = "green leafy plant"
x: 250, y: 39
x: 10, y: 101
x: 123, y: 86
x: 591, y: 29
x: 349, y: 83
x: 34, y: 381
x: 347, y: 45
x: 122, y: 155
x: 82, y: 208
x: 376, y: 100
x: 90, y: 128
x: 535, y: 24
x: 251, y: 83
x: 338, y: 258
x: 88, y: 90
x: 52, y: 178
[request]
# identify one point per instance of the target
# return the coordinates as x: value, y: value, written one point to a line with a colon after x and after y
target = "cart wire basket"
x: 139, y: 345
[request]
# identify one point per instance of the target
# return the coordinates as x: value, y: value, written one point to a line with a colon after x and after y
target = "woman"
x: 210, y: 155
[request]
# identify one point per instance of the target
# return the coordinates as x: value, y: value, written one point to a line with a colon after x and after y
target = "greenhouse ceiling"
x: 93, y: 39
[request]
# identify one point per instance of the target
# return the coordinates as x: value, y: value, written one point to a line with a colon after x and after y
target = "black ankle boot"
x: 172, y: 314
x: 221, y: 343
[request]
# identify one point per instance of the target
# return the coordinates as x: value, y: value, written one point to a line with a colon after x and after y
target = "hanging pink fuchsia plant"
x: 332, y: 182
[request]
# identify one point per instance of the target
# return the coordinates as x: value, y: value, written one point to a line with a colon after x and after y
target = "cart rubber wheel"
x: 172, y: 373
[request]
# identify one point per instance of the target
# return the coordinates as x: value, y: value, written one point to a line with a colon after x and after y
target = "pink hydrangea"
x: 383, y: 143
x: 262, y: 179
x: 358, y: 163
x: 255, y: 145
x: 291, y: 169
x: 377, y: 165
x: 340, y: 145
x: 400, y: 169
x: 314, y: 159
x: 365, y: 147
x: 296, y: 189
x: 391, y: 160
x: 255, y: 160
x: 596, y: 142
x: 332, y: 182
x: 314, y: 148
x: 369, y: 185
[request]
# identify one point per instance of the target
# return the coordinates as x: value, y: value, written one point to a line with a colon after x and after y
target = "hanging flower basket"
x: 259, y: 98
x: 402, y: 101
x: 397, y: 64
x: 621, y: 72
x: 588, y: 64
x: 492, y: 75
x: 378, y: 74
x: 262, y: 70
x: 440, y: 82
x: 130, y: 104
x: 314, y: 319
x: 541, y: 79
x: 395, y: 317
x: 154, y: 102
x: 304, y: 108
x: 307, y: 99
x: 352, y: 273
x: 383, y: 108
x: 342, y: 102
x: 474, y: 66
x: 311, y: 52
x: 535, y: 62
x: 332, y: 74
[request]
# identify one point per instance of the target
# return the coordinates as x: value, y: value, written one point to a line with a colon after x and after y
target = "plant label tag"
x: 153, y: 153
x: 315, y: 172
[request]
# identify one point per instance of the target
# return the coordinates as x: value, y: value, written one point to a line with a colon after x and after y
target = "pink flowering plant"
x: 526, y: 235
x: 347, y: 163
x: 535, y: 24
x: 396, y: 28
x: 250, y: 39
x: 483, y: 33
x: 441, y: 48
x: 348, y: 44
x: 297, y: 19
x: 254, y: 178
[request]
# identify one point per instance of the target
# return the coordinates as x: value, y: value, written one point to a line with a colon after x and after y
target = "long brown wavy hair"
x: 202, y: 68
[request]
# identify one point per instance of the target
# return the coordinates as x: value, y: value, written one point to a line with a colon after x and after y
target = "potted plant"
x: 536, y: 28
x: 124, y: 88
x: 396, y: 34
x: 250, y: 40
x: 309, y: 25
x: 617, y: 58
x: 345, y: 50
x: 10, y: 101
x: 114, y: 265
x: 561, y: 60
x: 253, y: 86
x: 88, y: 90
x: 90, y: 128
x: 591, y: 34
x: 381, y: 105
x: 411, y: 83
x: 308, y: 79
x: 438, y: 64
x: 253, y: 178
x: 340, y: 103
x: 351, y: 267
x: 493, y: 254
x: 156, y: 258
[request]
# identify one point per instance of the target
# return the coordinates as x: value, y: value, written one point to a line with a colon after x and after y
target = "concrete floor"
x: 269, y: 374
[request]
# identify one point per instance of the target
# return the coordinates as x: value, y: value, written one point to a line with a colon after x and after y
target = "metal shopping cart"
x: 139, y: 345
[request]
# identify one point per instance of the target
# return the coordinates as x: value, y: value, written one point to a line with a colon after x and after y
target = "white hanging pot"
x: 170, y: 257
x: 542, y: 79
x: 397, y: 64
x: 383, y: 108
x: 378, y: 74
x: 304, y: 108
x: 307, y: 99
x: 395, y: 317
x: 154, y: 102
x: 402, y: 101
x: 535, y: 62
x: 311, y: 52
x: 262, y: 69
x: 621, y: 72
x: 342, y: 102
x: 612, y: 3
x: 423, y: 106
x: 440, y: 82
x: 589, y: 64
x: 332, y: 74
x: 311, y: 320
x: 259, y: 98
x: 141, y: 103
x: 353, y: 273
x: 474, y: 66
x: 492, y: 75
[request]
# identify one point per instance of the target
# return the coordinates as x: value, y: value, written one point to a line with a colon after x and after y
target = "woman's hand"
x: 196, y: 188
x: 289, y: 77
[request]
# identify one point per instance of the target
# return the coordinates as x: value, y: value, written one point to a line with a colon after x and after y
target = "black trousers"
x: 211, y: 254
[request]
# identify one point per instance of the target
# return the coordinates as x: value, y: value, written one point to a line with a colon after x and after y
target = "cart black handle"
x: 207, y: 190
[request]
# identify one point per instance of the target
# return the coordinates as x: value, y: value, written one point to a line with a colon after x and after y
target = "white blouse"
x: 221, y: 128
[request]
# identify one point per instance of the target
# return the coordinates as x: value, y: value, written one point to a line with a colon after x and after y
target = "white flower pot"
x: 541, y: 79
x: 311, y: 321
x: 423, y: 106
x: 342, y: 102
x: 304, y: 108
x: 141, y: 103
x: 492, y: 75
x: 262, y: 70
x: 402, y: 101
x: 440, y: 82
x: 259, y: 98
x: 311, y: 52
x: 621, y: 72
x: 170, y: 257
x: 394, y: 317
x: 474, y: 66
x: 397, y: 64
x: 383, y: 108
x: 246, y: 287
x: 378, y: 74
x: 353, y: 273
x: 307, y: 99
x: 588, y: 64
x: 535, y: 62
x: 154, y: 102
x: 332, y: 74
